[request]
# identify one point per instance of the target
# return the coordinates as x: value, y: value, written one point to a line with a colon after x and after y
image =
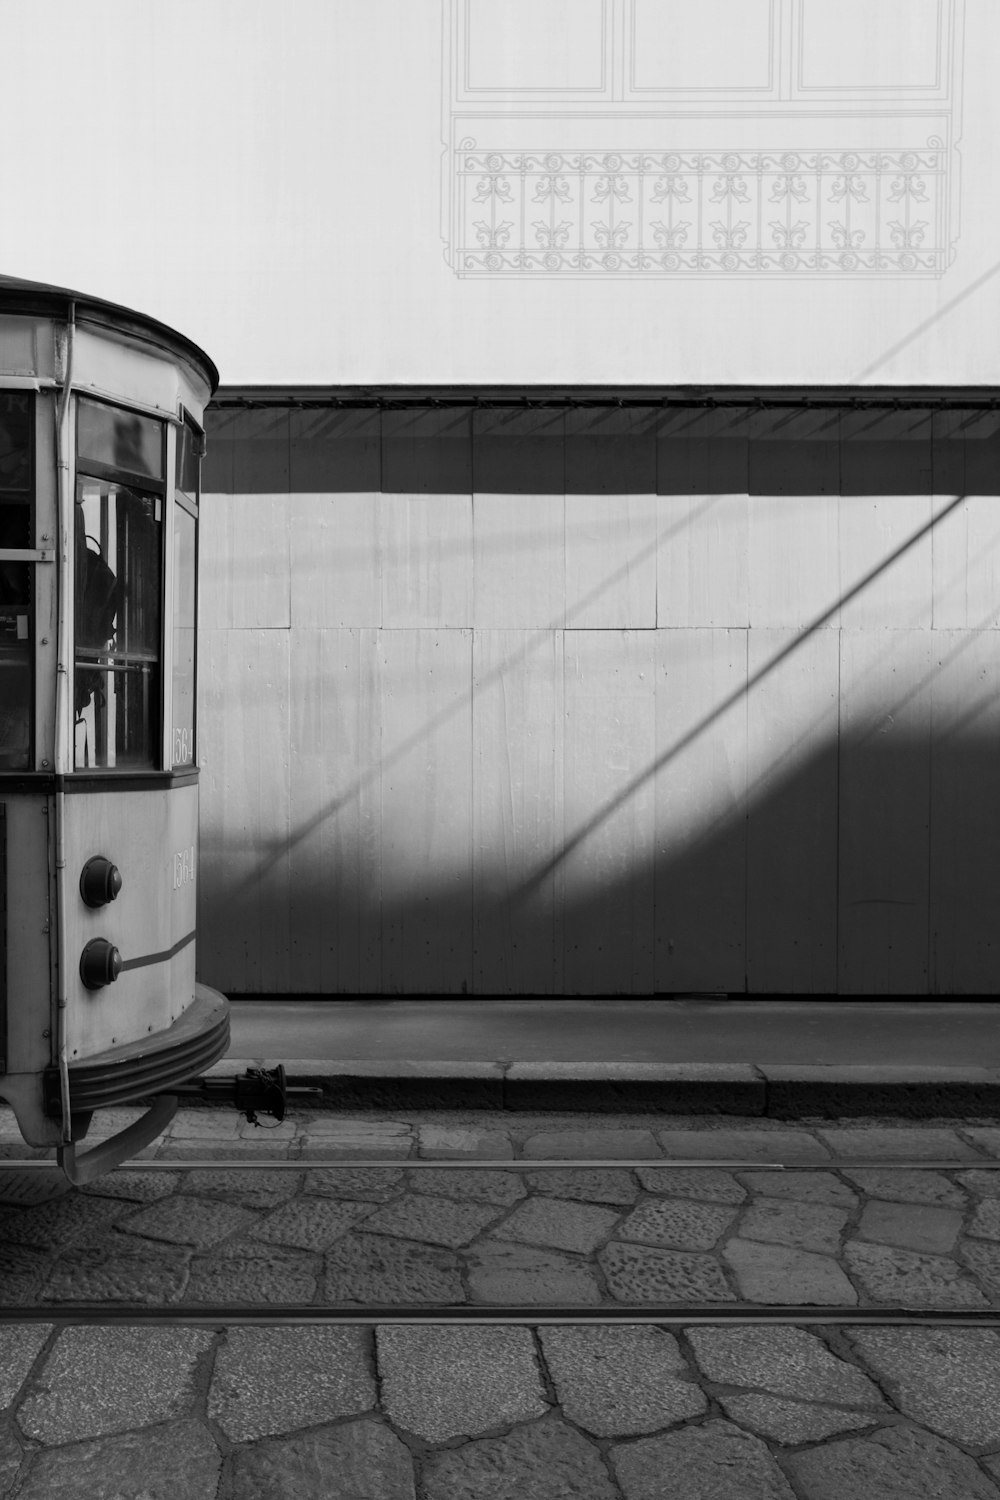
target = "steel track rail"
x: 673, y: 1316
x: 396, y: 1314
x: 515, y: 1164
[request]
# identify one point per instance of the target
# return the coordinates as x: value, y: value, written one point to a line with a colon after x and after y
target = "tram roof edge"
x: 39, y: 297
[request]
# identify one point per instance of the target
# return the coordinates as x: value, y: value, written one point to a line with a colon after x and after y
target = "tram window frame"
x: 189, y: 449
x: 143, y: 487
x: 26, y: 495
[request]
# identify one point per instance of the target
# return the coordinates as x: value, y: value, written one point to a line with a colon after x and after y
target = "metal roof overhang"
x: 248, y: 397
x: 39, y: 299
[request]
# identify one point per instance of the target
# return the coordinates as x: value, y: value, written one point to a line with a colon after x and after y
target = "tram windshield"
x: 118, y: 589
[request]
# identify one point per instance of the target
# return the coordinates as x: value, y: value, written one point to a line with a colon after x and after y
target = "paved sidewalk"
x: 449, y: 1413
x: 774, y: 1058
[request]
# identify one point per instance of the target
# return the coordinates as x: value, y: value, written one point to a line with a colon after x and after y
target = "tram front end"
x: 100, y: 444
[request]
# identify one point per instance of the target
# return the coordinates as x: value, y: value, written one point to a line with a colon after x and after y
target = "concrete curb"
x: 769, y: 1090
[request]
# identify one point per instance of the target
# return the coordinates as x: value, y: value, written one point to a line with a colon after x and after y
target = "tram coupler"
x: 258, y: 1090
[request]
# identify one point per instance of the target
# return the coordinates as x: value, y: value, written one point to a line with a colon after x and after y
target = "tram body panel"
x: 124, y: 371
x: 28, y: 1024
x: 151, y: 838
x: 27, y: 1043
x: 28, y: 347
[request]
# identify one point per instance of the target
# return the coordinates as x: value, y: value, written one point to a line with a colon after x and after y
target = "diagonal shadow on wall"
x: 754, y: 899
x: 867, y: 868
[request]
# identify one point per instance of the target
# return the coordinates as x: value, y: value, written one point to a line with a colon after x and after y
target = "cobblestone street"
x: 433, y: 1413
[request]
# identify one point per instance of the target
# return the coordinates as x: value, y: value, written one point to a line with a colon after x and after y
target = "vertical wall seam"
x: 746, y: 816
x: 840, y: 702
x: 656, y: 517
x: 837, y: 886
x: 930, y: 788
x: 380, y: 707
x: 557, y: 877
x: 379, y: 926
x: 287, y: 644
x: 288, y: 515
x: 470, y: 984
x: 474, y: 962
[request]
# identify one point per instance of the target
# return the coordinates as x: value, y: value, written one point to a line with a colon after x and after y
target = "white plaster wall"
x: 295, y: 202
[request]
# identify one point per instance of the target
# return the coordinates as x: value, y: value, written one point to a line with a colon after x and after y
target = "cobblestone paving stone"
x: 906, y: 1278
x: 770, y: 1273
x: 174, y: 1461
x: 616, y: 1382
x: 911, y: 1226
x: 642, y: 1273
x: 985, y: 1221
x: 104, y: 1380
x: 804, y: 1187
x: 22, y: 1274
x: 118, y: 1272
x: 703, y: 1184
x: 983, y: 1259
x: 564, y: 1225
x: 263, y: 1383
x: 310, y: 1223
x: 185, y: 1220
x: 499, y: 1273
x: 567, y: 1412
x: 919, y: 1187
x: 676, y: 1224
x: 717, y: 1460
x: 894, y: 1464
x: 268, y: 1274
x: 247, y: 1189
x: 357, y: 1461
x: 946, y: 1378
x: 471, y: 1381
x: 809, y: 1226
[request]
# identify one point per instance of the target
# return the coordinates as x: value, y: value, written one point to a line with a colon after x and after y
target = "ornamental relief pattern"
x: 729, y: 213
x: 671, y: 138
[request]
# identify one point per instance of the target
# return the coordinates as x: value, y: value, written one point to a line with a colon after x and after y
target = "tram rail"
x: 528, y: 1316
x: 369, y: 1315
x: 520, y: 1164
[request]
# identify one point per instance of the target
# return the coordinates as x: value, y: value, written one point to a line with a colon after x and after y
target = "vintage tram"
x: 100, y: 444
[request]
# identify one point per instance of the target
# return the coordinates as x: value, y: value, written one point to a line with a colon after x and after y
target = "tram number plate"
x: 183, y: 746
x: 183, y: 867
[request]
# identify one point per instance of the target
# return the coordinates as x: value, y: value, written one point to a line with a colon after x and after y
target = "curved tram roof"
x: 41, y: 299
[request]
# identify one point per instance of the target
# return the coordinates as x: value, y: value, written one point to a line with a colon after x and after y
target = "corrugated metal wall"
x: 600, y: 701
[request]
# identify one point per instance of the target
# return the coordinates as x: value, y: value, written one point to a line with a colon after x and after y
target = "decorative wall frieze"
x: 670, y: 138
x: 701, y: 212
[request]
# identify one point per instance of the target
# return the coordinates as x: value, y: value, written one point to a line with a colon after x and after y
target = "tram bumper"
x: 151, y: 1065
x: 136, y: 1070
x: 164, y: 1066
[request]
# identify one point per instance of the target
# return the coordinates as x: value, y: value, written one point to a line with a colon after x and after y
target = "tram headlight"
x: 100, y: 881
x: 100, y: 964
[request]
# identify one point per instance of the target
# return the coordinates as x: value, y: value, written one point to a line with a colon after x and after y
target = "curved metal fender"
x: 117, y: 1148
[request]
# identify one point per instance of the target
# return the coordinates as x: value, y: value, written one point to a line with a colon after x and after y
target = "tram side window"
x: 184, y: 637
x: 118, y: 588
x: 16, y: 428
x: 190, y: 446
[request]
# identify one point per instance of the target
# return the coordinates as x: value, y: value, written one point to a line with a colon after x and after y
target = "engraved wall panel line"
x: 791, y: 158
x: 907, y: 52
x: 703, y: 48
